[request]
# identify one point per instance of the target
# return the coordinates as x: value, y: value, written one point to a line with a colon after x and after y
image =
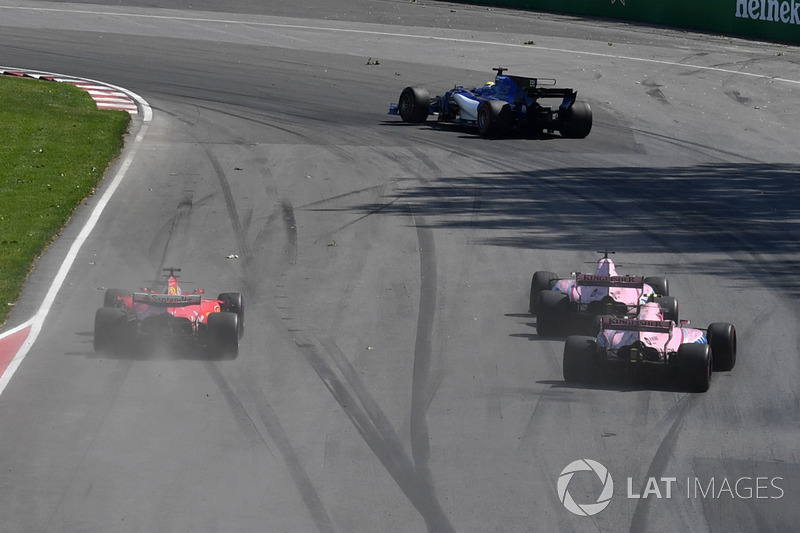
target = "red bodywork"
x: 193, y: 307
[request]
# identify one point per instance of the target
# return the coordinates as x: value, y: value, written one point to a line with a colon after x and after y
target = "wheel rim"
x: 483, y: 119
x: 405, y: 105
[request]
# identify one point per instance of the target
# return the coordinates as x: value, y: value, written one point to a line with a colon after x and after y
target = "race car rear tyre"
x: 109, y: 329
x: 553, y: 314
x: 233, y: 302
x: 541, y: 281
x: 414, y: 105
x: 576, y: 122
x: 112, y: 296
x: 223, y: 334
x: 659, y: 284
x: 669, y: 308
x: 722, y: 339
x: 494, y: 118
x: 580, y: 359
x: 695, y: 365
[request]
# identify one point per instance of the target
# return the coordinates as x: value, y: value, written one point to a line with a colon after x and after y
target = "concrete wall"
x: 771, y: 20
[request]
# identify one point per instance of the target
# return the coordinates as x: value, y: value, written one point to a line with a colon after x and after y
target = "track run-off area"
x: 390, y: 377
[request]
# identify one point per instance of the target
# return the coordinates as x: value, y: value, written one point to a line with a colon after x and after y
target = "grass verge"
x: 55, y: 146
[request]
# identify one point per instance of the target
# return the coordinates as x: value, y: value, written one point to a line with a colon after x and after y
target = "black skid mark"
x: 290, y: 225
x: 345, y: 385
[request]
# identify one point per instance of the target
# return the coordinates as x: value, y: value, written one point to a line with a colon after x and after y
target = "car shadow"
x: 622, y: 382
x: 157, y: 351
x: 471, y: 132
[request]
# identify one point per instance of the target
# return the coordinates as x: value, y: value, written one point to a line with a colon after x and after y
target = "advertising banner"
x: 772, y: 20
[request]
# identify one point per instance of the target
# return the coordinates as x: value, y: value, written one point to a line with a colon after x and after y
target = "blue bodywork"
x: 511, y: 102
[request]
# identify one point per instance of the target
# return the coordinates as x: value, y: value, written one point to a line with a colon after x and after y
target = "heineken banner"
x: 775, y: 20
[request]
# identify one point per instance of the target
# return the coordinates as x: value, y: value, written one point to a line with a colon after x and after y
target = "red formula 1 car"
x: 648, y: 344
x: 143, y: 318
x: 571, y: 305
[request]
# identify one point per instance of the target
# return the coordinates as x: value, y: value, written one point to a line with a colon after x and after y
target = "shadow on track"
x: 748, y: 209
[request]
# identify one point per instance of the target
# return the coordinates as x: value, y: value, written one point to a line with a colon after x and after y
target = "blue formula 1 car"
x: 510, y: 103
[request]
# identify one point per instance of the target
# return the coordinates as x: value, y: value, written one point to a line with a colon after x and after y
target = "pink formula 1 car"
x: 572, y: 305
x: 648, y: 342
x: 138, y: 319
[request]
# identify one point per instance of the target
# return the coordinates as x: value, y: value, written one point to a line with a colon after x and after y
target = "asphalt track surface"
x: 390, y: 378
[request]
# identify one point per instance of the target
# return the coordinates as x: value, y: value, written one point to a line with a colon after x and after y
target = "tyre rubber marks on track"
x: 104, y: 96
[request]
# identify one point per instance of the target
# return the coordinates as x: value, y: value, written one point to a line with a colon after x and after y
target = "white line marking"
x: 403, y: 35
x: 37, y: 321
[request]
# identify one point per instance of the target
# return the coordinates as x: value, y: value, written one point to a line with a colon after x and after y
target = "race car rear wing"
x: 542, y: 87
x: 166, y: 300
x: 633, y: 324
x: 596, y: 280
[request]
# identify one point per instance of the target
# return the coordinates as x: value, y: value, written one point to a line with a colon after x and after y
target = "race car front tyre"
x: 669, y: 308
x: 580, y: 359
x: 494, y: 118
x: 722, y: 339
x: 112, y: 297
x: 541, y: 281
x: 659, y: 284
x: 414, y: 105
x: 233, y: 302
x: 576, y: 122
x: 553, y: 313
x: 109, y: 329
x: 695, y: 364
x: 223, y: 334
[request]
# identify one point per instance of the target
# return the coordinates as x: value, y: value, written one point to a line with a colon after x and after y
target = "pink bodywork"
x: 629, y: 290
x: 651, y: 329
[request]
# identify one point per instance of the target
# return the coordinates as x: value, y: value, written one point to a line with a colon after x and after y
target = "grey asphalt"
x: 390, y: 378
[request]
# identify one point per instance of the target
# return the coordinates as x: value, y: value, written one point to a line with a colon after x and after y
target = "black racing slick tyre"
x: 541, y: 281
x: 695, y: 366
x: 233, y: 302
x: 553, y: 314
x: 722, y: 339
x: 576, y: 122
x: 580, y: 359
x: 494, y: 118
x: 659, y: 284
x: 223, y: 334
x: 112, y: 297
x: 109, y: 328
x: 414, y: 105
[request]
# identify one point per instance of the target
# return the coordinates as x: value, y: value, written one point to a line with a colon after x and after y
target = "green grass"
x: 55, y: 146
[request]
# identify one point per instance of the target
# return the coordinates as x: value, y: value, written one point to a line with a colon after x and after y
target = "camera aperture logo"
x: 585, y: 509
